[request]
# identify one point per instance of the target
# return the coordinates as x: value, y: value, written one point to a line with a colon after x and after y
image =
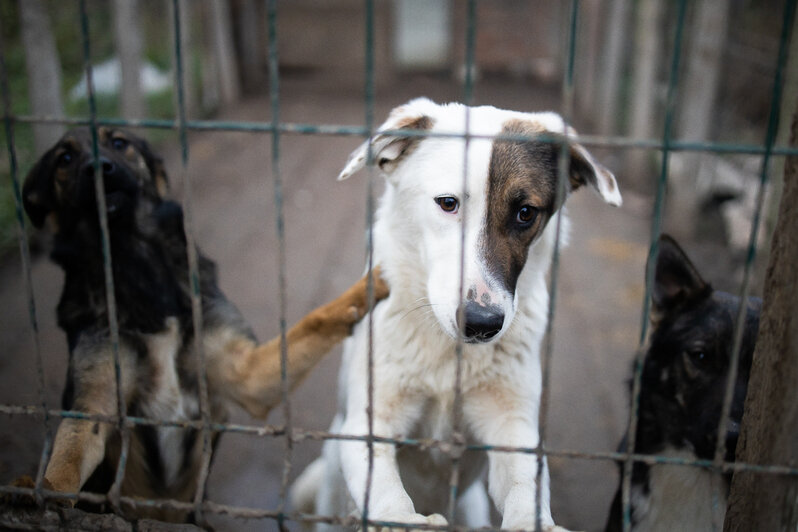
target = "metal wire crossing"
x: 457, y: 448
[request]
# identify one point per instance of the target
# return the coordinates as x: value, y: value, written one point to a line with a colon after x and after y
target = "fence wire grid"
x: 200, y: 506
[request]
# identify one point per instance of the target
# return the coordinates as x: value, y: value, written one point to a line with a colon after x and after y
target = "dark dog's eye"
x: 698, y: 357
x: 526, y: 215
x: 119, y: 143
x: 697, y: 363
x: 448, y: 203
x: 65, y: 159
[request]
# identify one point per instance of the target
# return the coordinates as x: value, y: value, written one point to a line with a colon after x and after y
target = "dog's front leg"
x: 509, y: 417
x: 78, y: 449
x: 394, y: 413
x: 79, y: 444
x: 250, y: 373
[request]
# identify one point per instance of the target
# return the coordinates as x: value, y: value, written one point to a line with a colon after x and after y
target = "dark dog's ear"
x: 37, y: 191
x: 154, y: 163
x: 159, y: 176
x: 388, y: 150
x: 676, y: 280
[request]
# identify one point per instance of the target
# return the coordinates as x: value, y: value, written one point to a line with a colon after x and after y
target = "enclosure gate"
x: 201, y: 506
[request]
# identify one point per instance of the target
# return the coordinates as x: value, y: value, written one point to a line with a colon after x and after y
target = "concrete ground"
x: 596, y: 326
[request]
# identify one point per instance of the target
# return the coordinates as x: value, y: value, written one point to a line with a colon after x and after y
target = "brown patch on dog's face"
x: 60, y: 186
x: 522, y: 190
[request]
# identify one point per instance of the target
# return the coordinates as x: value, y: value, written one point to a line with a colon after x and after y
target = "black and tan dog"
x: 682, y: 388
x: 159, y: 367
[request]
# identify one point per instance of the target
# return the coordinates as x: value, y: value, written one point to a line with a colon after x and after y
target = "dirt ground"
x: 596, y: 329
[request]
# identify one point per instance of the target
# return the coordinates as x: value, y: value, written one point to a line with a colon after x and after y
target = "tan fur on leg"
x: 79, y: 444
x: 79, y: 447
x: 250, y: 374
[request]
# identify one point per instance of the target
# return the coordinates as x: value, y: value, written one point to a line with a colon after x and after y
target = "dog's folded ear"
x: 389, y: 149
x: 586, y: 171
x: 676, y: 281
x: 37, y: 194
x: 154, y: 163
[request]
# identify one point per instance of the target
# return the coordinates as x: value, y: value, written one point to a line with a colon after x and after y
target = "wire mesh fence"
x: 199, y: 504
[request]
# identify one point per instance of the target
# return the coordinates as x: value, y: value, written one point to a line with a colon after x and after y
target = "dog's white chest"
x: 417, y: 383
x: 437, y: 418
x: 426, y: 474
x: 680, y: 498
x: 166, y: 400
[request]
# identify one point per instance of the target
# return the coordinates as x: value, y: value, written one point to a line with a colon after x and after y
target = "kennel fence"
x: 201, y: 506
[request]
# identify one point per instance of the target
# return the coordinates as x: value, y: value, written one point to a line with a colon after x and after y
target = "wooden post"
x: 704, y: 63
x: 645, y: 65
x: 612, y: 67
x: 769, y: 433
x: 187, y: 38
x: 129, y: 47
x: 252, y: 48
x: 44, y: 71
x: 224, y: 51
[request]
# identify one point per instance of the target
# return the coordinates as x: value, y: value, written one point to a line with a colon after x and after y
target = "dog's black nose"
x: 108, y: 167
x: 482, y: 322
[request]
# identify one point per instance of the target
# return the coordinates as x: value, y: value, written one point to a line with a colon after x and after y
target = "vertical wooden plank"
x: 768, y: 434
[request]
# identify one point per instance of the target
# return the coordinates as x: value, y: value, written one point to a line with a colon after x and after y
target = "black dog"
x: 159, y: 368
x: 682, y: 388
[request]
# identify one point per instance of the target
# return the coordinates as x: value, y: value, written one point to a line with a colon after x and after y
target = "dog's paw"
x: 18, y: 499
x: 359, y: 304
x: 410, y: 519
x: 381, y: 288
x: 29, y: 500
x: 530, y: 525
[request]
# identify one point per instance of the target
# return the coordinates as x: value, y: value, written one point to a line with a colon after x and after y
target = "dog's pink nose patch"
x: 481, y: 293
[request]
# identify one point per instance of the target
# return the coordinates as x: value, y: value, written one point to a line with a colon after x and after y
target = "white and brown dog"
x: 497, y: 198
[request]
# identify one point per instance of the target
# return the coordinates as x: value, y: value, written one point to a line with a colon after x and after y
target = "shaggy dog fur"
x: 503, y: 217
x: 159, y: 366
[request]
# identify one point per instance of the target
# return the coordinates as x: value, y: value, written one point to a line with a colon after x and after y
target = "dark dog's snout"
x: 119, y: 184
x: 107, y: 166
x: 482, y: 322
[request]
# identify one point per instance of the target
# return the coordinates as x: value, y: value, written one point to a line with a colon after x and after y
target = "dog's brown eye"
x: 447, y: 203
x: 65, y: 159
x: 526, y: 215
x: 119, y: 143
